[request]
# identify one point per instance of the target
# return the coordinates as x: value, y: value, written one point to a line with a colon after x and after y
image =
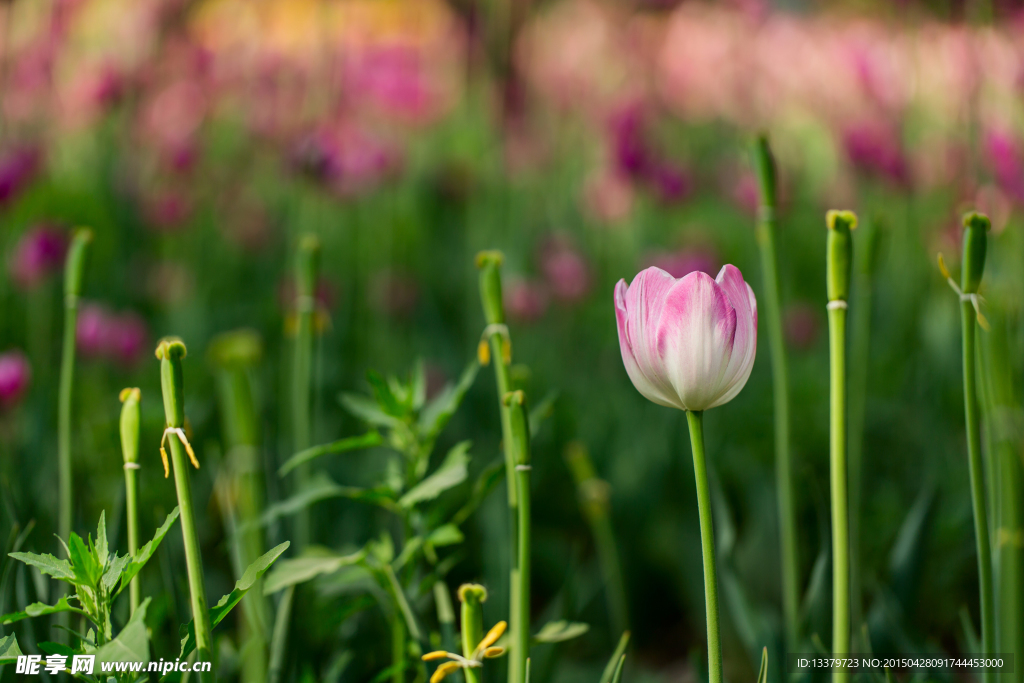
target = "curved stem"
x: 978, y: 497
x: 840, y: 502
x: 695, y: 420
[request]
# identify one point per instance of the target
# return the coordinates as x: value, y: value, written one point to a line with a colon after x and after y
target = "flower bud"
x: 976, y: 227
x: 472, y: 596
x: 489, y: 264
x: 75, y: 264
x: 131, y: 399
x: 839, y: 253
x: 171, y: 351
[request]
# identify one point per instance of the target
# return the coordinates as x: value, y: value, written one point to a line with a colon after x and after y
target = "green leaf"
x: 384, y: 395
x: 102, y: 553
x: 131, y: 644
x: 352, y: 443
x: 48, y: 564
x: 439, y: 411
x: 762, y: 675
x: 9, y: 650
x: 366, y: 410
x: 251, y: 575
x: 55, y: 648
x: 615, y: 663
x: 418, y: 384
x: 411, y: 547
x: 87, y: 570
x: 38, y: 609
x: 143, y: 554
x: 451, y: 472
x: 449, y: 534
x: 560, y: 631
x: 302, y: 569
x: 319, y: 488
x: 113, y: 572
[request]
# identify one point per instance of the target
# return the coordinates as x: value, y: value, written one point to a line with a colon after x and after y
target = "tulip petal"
x: 631, y: 303
x: 741, y: 298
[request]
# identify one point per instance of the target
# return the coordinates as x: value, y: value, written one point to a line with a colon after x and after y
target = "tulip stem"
x: 305, y: 304
x: 978, y: 497
x: 840, y: 503
x: 695, y: 420
x: 765, y: 231
x: 516, y: 401
x: 129, y: 427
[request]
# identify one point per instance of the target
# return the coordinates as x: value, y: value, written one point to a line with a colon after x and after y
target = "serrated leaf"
x: 301, y: 569
x: 9, y: 650
x: 448, y: 534
x: 249, y: 577
x: 451, y: 472
x: 439, y: 411
x: 113, y: 572
x: 560, y: 631
x: 102, y: 551
x: 143, y: 554
x: 352, y: 443
x: 86, y: 569
x: 131, y: 644
x: 367, y: 410
x: 38, y: 609
x: 48, y: 564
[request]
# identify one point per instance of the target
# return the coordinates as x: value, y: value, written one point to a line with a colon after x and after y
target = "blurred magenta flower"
x: 801, y: 325
x: 687, y: 343
x: 526, y: 300
x: 17, y: 169
x: 608, y: 196
x: 167, y: 210
x: 876, y: 150
x: 15, y: 375
x: 93, y: 330
x: 565, y: 269
x: 119, y: 337
x: 1006, y: 162
x: 38, y: 254
x: 683, y: 262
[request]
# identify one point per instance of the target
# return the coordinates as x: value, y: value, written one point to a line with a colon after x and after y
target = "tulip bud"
x: 472, y: 596
x: 75, y: 264
x: 839, y: 253
x: 976, y: 226
x: 489, y: 264
x: 130, y: 418
x: 171, y: 351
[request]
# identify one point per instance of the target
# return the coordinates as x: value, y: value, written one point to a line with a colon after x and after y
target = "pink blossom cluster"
x: 120, y: 337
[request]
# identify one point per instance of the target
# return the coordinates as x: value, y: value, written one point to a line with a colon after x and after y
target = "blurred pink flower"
x: 607, y: 196
x: 801, y: 325
x: 526, y: 300
x: 684, y: 261
x: 629, y: 149
x: 347, y: 158
x: 18, y: 167
x: 1006, y: 162
x: 167, y: 210
x: 876, y: 150
x: 393, y: 77
x: 92, y: 332
x: 171, y: 120
x: 565, y: 270
x: 671, y: 183
x: 744, y: 191
x: 38, y: 254
x: 128, y: 339
x: 15, y: 376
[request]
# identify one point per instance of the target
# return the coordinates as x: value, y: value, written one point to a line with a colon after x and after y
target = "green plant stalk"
x: 977, y: 473
x: 838, y: 258
x: 130, y: 419
x: 695, y: 420
x: 171, y: 352
x: 472, y: 597
x: 789, y: 550
x: 489, y: 265
x: 280, y: 638
x: 305, y: 307
x: 398, y: 663
x: 74, y: 269
x: 593, y: 494
x: 860, y: 336
x: 516, y: 401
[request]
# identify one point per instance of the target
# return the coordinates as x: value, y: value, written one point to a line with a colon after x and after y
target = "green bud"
x: 764, y: 166
x: 472, y: 596
x: 130, y: 418
x: 976, y: 226
x: 839, y: 253
x: 489, y: 264
x: 74, y: 265
x: 236, y: 349
x: 171, y: 351
x: 307, y: 263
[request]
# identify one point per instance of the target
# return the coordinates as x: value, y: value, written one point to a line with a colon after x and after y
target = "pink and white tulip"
x: 687, y: 343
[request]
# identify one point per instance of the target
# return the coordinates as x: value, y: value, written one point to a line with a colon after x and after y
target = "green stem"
x: 280, y: 637
x: 472, y: 596
x: 397, y: 649
x: 840, y: 503
x: 977, y: 473
x: 695, y: 420
x: 73, y: 272
x: 516, y: 401
x: 305, y: 307
x: 171, y: 352
x: 130, y: 418
x: 765, y: 232
x: 489, y: 264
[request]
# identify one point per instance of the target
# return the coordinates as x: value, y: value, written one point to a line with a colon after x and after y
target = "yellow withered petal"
x: 437, y: 654
x: 443, y: 670
x: 483, y: 353
x: 167, y: 467
x: 191, y: 453
x: 942, y: 267
x: 492, y: 652
x: 492, y: 636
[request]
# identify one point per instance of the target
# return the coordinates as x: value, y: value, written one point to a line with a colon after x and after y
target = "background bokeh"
x: 584, y: 139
